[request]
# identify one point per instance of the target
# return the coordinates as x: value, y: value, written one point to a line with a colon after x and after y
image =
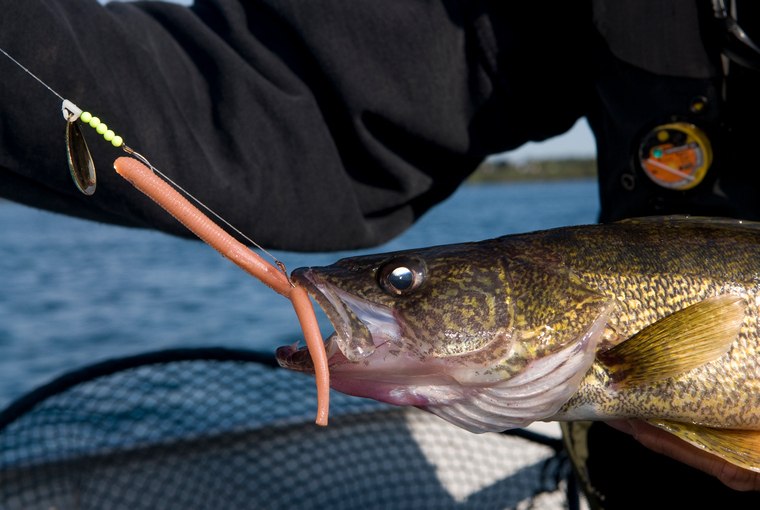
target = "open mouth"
x: 360, y: 326
x: 364, y: 353
x: 372, y: 355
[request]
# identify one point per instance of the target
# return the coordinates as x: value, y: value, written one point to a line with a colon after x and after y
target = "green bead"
x: 102, y: 128
x: 94, y: 122
x: 109, y: 135
x: 117, y: 141
x: 86, y: 116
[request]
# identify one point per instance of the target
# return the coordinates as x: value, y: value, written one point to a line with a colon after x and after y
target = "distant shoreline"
x: 551, y: 169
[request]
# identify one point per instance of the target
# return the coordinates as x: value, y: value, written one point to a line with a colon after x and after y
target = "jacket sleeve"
x: 310, y: 126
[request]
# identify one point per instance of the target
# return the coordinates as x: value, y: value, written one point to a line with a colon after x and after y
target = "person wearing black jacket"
x: 327, y: 125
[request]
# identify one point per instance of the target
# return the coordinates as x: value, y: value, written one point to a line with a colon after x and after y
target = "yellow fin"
x: 682, y: 341
x: 739, y: 447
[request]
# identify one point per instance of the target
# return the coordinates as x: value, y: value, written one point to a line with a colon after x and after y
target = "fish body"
x: 652, y: 318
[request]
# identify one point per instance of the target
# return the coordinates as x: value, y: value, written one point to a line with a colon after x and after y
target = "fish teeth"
x: 331, y: 345
x: 378, y: 319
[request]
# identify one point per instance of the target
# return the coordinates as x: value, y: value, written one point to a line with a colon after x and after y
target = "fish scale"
x: 723, y: 393
x: 652, y: 318
x: 643, y: 299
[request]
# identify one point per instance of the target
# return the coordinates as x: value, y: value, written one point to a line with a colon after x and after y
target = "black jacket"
x: 320, y: 125
x: 309, y: 125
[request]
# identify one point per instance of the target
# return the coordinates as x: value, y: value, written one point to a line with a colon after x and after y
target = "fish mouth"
x: 361, y: 327
x: 367, y: 357
x: 364, y: 354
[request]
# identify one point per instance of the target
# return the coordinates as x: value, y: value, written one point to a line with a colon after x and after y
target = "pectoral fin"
x: 739, y: 447
x: 682, y: 341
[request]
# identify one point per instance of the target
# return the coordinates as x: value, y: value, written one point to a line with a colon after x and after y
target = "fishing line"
x: 82, y: 167
x: 32, y: 74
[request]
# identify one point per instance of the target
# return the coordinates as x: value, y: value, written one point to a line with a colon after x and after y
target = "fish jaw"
x: 536, y: 393
x: 362, y: 328
x: 354, y: 338
x: 460, y: 389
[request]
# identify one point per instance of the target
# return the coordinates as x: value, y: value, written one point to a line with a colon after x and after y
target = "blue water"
x: 73, y: 292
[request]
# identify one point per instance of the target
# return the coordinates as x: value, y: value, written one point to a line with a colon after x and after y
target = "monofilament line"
x: 179, y: 188
x: 142, y: 158
x: 32, y: 75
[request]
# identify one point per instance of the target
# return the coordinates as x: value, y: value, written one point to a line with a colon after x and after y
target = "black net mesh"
x: 213, y: 428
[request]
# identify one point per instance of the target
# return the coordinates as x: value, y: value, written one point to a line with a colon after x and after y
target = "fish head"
x: 488, y: 335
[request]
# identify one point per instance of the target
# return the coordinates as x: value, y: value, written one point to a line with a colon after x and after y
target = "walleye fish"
x: 653, y: 318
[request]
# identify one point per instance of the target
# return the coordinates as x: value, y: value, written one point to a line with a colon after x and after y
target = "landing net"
x: 217, y: 428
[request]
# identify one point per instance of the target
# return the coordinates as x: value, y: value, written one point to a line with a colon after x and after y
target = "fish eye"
x: 402, y: 275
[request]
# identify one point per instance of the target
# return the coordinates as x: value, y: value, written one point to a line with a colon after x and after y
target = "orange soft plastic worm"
x: 201, y: 225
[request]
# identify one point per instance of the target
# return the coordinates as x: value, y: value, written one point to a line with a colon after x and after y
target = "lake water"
x: 73, y: 292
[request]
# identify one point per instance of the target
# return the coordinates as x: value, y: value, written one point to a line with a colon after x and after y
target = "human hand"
x: 667, y: 444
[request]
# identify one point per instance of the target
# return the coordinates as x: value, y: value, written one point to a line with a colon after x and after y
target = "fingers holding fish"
x: 667, y: 444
